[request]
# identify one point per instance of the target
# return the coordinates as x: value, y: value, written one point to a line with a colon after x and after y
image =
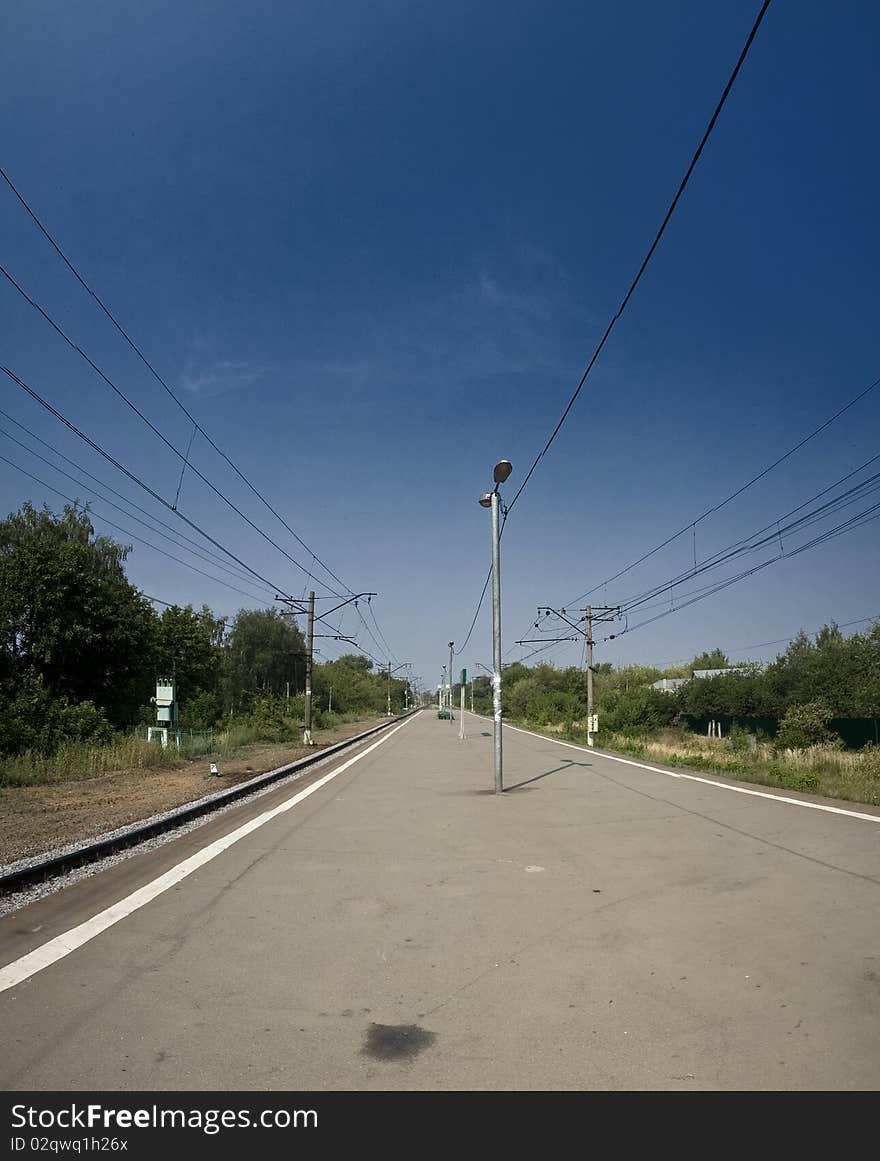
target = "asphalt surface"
x: 598, y: 926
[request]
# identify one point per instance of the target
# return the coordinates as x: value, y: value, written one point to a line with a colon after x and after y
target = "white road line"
x: 42, y: 957
x: 707, y: 781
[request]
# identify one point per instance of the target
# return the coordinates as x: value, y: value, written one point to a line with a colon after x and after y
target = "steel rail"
x: 56, y: 865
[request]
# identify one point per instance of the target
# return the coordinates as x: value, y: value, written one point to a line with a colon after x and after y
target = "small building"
x: 671, y: 684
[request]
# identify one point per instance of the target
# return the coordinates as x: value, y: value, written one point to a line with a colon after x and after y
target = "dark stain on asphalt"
x: 397, y: 1041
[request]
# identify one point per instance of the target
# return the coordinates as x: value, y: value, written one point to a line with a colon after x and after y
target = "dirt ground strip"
x: 38, y: 819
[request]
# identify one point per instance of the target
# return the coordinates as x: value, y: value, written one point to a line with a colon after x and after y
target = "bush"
x: 637, y: 711
x: 35, y: 720
x: 807, y: 781
x: 869, y: 761
x: 268, y: 718
x: 201, y: 712
x: 807, y: 725
x: 326, y: 719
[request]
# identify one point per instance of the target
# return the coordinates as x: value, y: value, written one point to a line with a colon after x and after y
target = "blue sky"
x: 372, y: 248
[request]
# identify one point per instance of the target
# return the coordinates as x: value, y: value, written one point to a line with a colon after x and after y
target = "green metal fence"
x: 856, y: 732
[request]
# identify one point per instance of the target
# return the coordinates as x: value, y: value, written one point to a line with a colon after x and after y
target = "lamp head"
x: 486, y: 500
x: 502, y: 470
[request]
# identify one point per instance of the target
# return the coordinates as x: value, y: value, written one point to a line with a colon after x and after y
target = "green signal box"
x: 464, y: 677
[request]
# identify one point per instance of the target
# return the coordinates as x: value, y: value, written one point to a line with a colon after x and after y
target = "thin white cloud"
x: 453, y: 339
x: 219, y: 377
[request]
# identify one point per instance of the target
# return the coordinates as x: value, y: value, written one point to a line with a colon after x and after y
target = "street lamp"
x: 492, y: 500
x: 451, y: 651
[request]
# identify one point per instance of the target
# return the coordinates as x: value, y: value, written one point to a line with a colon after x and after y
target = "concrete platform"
x: 598, y: 926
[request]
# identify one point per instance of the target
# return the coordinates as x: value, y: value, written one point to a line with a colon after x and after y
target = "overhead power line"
x: 159, y: 379
x: 156, y: 601
x: 848, y: 525
x: 119, y: 528
x: 638, y: 277
x: 691, y: 524
x: 197, y: 549
x: 812, y: 633
x: 771, y: 532
x: 180, y: 455
x: 134, y: 478
x: 651, y: 249
x: 372, y: 613
x: 131, y: 516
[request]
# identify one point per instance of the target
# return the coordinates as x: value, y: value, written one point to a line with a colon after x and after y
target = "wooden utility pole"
x: 296, y: 609
x: 606, y: 613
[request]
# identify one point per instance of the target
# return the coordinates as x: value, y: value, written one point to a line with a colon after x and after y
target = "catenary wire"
x: 197, y: 427
x: 853, y: 522
x: 733, y: 495
x: 119, y: 528
x: 135, y: 479
x: 645, y: 261
x: 776, y: 531
x: 169, y: 532
x: 180, y: 455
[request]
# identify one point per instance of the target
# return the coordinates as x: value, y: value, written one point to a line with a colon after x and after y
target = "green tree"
x: 35, y: 719
x: 188, y: 643
x: 717, y: 659
x: 69, y: 615
x: 264, y: 651
x: 807, y: 725
x: 637, y: 711
x: 356, y: 689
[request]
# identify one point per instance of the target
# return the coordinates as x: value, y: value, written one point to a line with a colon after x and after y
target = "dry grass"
x: 76, y: 761
x: 850, y: 775
x: 41, y: 816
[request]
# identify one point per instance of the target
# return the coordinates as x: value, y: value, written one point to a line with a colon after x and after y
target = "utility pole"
x: 589, y: 638
x: 496, y: 642
x: 606, y: 613
x: 296, y: 608
x: 492, y: 500
x: 451, y: 651
x: 310, y: 647
x: 402, y: 665
x: 330, y: 702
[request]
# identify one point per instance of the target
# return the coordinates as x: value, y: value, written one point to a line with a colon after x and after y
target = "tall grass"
x: 850, y: 775
x: 75, y: 761
x: 78, y: 760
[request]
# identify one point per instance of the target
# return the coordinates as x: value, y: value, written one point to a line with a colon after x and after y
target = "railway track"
x: 55, y: 865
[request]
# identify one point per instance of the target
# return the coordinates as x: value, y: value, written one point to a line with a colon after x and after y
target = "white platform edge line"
x: 62, y: 945
x: 706, y: 781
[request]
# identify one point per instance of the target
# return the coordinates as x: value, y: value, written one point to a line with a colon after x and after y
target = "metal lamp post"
x: 451, y: 651
x: 492, y: 500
